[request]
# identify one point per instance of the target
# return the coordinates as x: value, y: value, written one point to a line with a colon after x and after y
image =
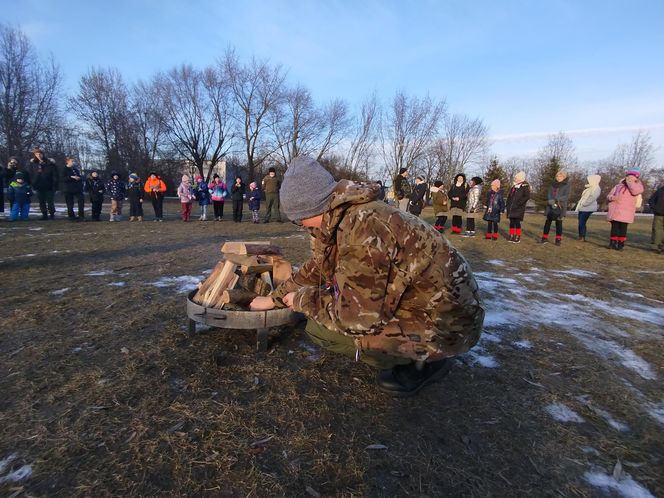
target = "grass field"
x: 103, y: 393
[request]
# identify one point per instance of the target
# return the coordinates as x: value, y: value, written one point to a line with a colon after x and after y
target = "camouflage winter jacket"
x: 387, y: 279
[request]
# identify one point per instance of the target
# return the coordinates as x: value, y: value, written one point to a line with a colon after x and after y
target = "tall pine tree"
x: 495, y: 170
x: 546, y: 176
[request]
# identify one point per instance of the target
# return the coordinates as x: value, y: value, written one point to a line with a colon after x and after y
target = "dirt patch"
x: 104, y: 393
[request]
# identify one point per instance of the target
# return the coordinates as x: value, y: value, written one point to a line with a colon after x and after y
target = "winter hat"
x: 496, y: 183
x: 19, y: 175
x: 477, y: 180
x: 633, y: 172
x: 199, y: 178
x: 215, y: 176
x: 306, y: 188
x: 520, y: 177
x: 12, y: 160
x: 133, y: 176
x: 115, y: 173
x: 252, y: 185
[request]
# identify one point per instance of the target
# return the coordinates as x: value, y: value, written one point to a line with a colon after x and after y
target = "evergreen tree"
x: 545, y: 177
x: 495, y: 170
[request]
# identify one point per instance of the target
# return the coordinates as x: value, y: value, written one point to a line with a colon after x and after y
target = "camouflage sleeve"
x: 355, y: 305
x: 307, y: 275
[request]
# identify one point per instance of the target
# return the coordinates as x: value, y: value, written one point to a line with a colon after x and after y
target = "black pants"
x: 492, y: 227
x: 440, y: 221
x: 96, y: 207
x: 237, y: 210
x: 158, y: 206
x: 135, y: 207
x: 218, y: 209
x: 515, y: 223
x: 457, y: 223
x: 559, y: 228
x: 46, y: 201
x: 69, y: 199
x: 618, y: 230
x: 470, y: 224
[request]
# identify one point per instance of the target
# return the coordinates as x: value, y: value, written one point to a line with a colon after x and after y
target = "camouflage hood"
x: 345, y: 195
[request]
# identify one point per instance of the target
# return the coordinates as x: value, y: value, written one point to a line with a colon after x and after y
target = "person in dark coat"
x: 516, y: 205
x: 416, y: 200
x: 458, y: 195
x: 556, y: 207
x: 237, y: 196
x: 117, y: 191
x: 45, y: 180
x: 135, y: 195
x: 95, y: 187
x: 494, y: 206
x: 254, y: 198
x: 656, y: 203
x: 72, y: 187
x: 402, y: 189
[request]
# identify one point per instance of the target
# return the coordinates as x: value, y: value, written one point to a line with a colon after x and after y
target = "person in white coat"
x: 587, y: 205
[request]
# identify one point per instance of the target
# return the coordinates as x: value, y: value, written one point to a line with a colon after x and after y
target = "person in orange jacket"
x: 156, y: 189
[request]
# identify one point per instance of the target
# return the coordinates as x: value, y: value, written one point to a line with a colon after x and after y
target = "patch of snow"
x: 590, y: 451
x: 36, y: 229
x: 117, y: 284
x: 524, y: 344
x: 18, y: 475
x: 562, y: 413
x: 656, y: 411
x: 185, y: 283
x: 59, y: 292
x: 486, y: 336
x: 577, y: 272
x: 619, y: 426
x: 496, y: 262
x: 6, y: 461
x: 609, y: 349
x: 479, y: 357
x: 626, y: 486
x: 98, y: 273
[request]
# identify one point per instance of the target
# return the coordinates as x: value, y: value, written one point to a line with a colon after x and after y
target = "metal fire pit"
x: 260, y: 321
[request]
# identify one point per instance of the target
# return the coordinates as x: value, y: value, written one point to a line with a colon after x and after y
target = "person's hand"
x: 288, y: 299
x: 140, y: 200
x: 455, y: 198
x: 261, y: 303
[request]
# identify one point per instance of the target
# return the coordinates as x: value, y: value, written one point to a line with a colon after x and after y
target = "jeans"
x: 583, y: 219
x: 19, y: 210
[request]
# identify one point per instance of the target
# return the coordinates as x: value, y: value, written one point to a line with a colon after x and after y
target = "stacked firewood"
x: 247, y: 270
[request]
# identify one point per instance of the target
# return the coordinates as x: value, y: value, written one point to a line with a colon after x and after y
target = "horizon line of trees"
x: 246, y: 113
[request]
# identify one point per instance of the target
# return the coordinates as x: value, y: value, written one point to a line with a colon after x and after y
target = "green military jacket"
x: 387, y: 279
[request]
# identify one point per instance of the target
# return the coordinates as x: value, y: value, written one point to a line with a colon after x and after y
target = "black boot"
x: 613, y: 244
x: 620, y: 245
x: 407, y: 380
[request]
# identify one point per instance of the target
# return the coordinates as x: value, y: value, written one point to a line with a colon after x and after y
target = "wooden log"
x: 205, y: 286
x: 242, y: 260
x: 256, y: 269
x: 267, y: 278
x: 281, y: 271
x: 262, y: 288
x: 238, y: 296
x: 247, y: 282
x: 220, y: 284
x: 252, y: 248
x: 229, y: 284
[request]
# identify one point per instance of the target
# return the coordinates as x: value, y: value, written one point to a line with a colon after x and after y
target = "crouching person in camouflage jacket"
x: 381, y: 286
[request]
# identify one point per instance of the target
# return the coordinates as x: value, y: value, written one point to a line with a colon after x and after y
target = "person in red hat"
x: 623, y: 199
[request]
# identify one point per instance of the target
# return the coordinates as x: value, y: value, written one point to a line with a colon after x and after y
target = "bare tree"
x: 638, y: 154
x: 29, y: 94
x: 195, y: 105
x: 258, y: 91
x: 150, y: 121
x: 102, y: 104
x: 559, y: 152
x: 362, y: 142
x: 464, y: 141
x: 408, y: 130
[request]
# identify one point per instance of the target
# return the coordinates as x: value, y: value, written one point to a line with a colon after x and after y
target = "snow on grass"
x: 576, y: 272
x: 184, y: 283
x: 117, y: 284
x: 18, y: 475
x: 524, y: 344
x: 619, y: 426
x: 479, y: 356
x: 36, y: 229
x: 656, y: 411
x: 98, y: 273
x: 496, y: 262
x: 626, y: 486
x: 6, y: 461
x: 59, y: 292
x: 562, y: 413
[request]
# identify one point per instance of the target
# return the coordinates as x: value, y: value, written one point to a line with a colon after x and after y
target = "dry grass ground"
x: 103, y: 393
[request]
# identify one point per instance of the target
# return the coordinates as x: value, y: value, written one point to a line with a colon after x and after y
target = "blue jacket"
x: 19, y: 193
x: 202, y: 193
x: 495, y: 202
x: 254, y: 200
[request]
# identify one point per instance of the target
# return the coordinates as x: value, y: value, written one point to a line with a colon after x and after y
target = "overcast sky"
x: 528, y: 68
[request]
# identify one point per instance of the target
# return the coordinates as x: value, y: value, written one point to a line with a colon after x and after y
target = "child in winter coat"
x: 19, y: 194
x: 656, y: 203
x: 254, y: 202
x: 516, y: 205
x: 494, y: 206
x: 217, y: 193
x: 116, y: 190
x: 202, y: 193
x: 588, y: 203
x: 156, y: 189
x: 440, y: 203
x: 186, y: 195
x: 135, y: 196
x: 556, y: 207
x: 623, y: 200
x: 416, y: 199
x: 473, y: 206
x: 458, y: 194
x: 94, y: 185
x: 237, y: 195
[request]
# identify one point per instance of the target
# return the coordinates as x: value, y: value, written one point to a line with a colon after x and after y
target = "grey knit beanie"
x: 305, y: 189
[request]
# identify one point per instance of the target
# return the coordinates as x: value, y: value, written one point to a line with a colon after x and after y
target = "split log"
x: 250, y: 248
x: 256, y: 269
x: 205, y: 286
x: 281, y: 271
x: 238, y: 296
x: 267, y: 278
x: 247, y: 282
x: 262, y: 288
x: 220, y: 283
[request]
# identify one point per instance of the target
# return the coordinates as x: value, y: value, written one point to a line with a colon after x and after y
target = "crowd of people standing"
x: 463, y: 199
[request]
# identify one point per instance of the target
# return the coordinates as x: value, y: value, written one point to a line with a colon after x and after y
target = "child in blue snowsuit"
x: 254, y: 202
x: 19, y: 193
x: 202, y: 194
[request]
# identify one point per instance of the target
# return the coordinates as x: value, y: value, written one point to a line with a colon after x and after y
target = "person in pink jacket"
x: 623, y: 200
